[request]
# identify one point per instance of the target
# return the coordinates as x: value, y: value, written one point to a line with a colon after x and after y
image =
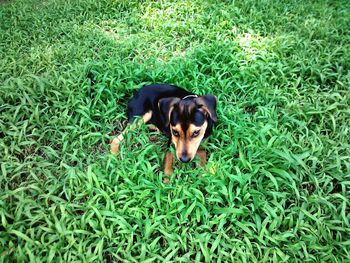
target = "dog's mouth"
x: 184, y: 158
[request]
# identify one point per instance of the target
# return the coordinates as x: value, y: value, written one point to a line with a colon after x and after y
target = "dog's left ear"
x: 208, y: 103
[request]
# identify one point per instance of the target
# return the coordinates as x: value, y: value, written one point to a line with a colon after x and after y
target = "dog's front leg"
x: 201, y: 153
x: 168, y: 166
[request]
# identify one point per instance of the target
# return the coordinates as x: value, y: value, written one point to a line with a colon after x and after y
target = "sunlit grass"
x: 276, y: 186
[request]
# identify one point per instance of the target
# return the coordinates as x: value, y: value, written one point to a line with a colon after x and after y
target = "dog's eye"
x: 176, y: 133
x: 195, y: 134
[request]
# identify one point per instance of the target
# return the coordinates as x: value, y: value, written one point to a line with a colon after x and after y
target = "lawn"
x: 277, y: 184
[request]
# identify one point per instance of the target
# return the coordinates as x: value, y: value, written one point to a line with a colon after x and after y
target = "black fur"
x: 159, y: 98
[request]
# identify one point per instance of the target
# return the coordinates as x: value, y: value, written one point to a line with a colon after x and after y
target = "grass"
x: 277, y: 184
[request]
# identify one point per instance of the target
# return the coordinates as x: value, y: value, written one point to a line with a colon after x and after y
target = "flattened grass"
x: 277, y: 184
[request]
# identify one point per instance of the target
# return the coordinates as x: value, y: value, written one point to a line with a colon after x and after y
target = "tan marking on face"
x: 185, y: 143
x: 175, y: 139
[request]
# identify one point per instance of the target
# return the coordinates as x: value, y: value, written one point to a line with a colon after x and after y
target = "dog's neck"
x: 189, y: 96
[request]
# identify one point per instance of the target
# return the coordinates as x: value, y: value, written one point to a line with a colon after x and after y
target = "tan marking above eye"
x: 175, y: 133
x: 193, y: 129
x: 176, y: 139
x: 195, y: 133
x: 177, y: 128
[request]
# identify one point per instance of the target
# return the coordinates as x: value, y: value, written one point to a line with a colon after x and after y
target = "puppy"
x: 185, y: 118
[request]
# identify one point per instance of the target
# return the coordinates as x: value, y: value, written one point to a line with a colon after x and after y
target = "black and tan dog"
x: 185, y: 118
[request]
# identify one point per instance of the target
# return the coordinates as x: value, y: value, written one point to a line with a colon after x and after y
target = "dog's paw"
x: 115, y: 146
x: 168, y: 172
x: 166, y: 180
x: 153, y: 128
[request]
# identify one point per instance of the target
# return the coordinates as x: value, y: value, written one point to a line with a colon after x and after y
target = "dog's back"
x: 146, y: 100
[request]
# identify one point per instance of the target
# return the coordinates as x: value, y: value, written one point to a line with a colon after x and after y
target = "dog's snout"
x: 185, y: 158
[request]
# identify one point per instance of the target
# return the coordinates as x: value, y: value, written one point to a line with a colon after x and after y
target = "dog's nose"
x: 185, y: 159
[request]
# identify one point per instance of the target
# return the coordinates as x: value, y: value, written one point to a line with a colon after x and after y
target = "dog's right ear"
x: 208, y: 103
x: 166, y: 105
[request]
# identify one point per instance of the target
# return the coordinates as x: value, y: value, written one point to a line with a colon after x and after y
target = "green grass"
x: 277, y: 184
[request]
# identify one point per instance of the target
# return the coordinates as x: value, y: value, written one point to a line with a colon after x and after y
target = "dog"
x: 185, y: 118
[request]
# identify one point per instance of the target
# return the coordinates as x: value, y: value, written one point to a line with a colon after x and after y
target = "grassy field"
x: 277, y: 183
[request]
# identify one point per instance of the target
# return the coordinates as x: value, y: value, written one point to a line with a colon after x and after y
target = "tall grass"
x: 277, y: 183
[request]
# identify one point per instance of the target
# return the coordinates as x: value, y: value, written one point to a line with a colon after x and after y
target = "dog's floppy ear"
x: 166, y: 106
x: 208, y: 103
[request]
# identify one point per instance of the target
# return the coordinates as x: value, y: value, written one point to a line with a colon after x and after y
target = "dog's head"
x: 190, y: 120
